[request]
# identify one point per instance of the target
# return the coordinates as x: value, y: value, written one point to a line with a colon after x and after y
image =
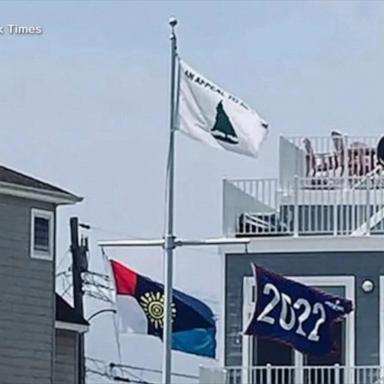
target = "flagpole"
x: 169, y: 238
x: 169, y: 242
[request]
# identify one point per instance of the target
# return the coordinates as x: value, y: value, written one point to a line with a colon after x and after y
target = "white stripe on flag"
x: 131, y: 316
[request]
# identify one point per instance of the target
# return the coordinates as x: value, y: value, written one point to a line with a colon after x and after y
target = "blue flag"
x: 193, y: 322
x: 294, y: 313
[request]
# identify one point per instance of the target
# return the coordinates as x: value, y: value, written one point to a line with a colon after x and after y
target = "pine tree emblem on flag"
x: 223, y: 129
x: 209, y: 114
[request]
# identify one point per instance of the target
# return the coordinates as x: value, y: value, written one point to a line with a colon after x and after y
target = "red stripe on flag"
x: 125, y: 279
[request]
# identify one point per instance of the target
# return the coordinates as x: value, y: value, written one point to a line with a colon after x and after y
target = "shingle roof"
x: 11, y: 176
x: 66, y: 313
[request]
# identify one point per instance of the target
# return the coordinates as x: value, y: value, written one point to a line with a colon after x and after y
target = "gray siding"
x: 26, y: 300
x: 66, y: 357
x: 369, y: 265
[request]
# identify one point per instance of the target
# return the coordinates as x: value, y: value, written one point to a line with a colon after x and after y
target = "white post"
x: 296, y: 206
x: 269, y: 373
x: 368, y: 207
x: 169, y: 237
x: 247, y: 341
x: 337, y: 373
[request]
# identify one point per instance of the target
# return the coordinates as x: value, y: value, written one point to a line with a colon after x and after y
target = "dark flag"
x: 140, y: 303
x: 295, y: 314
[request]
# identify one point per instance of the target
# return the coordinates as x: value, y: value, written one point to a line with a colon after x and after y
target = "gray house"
x: 320, y: 222
x: 38, y: 329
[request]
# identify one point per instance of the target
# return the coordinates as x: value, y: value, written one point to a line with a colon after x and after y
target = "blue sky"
x: 85, y: 106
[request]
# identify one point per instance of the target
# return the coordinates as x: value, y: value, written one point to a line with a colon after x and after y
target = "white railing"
x: 339, y: 206
x: 293, y: 375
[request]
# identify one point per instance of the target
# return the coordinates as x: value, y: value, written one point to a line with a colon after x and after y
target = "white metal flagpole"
x: 169, y: 242
x: 169, y: 238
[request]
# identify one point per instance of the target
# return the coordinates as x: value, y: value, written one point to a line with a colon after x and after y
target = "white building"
x: 320, y: 222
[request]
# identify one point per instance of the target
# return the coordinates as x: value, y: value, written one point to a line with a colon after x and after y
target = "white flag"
x: 209, y: 114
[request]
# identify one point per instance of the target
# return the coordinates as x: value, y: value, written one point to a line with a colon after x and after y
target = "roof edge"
x: 74, y: 327
x: 31, y: 193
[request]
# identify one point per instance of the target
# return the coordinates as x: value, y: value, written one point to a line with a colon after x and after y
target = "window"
x: 41, y: 234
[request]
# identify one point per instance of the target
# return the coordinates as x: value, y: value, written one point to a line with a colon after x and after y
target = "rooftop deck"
x: 327, y: 186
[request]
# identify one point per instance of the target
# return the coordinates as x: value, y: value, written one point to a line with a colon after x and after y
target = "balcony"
x: 327, y: 186
x: 293, y: 375
x: 305, y: 206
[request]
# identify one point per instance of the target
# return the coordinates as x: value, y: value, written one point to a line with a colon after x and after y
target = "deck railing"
x: 335, y: 374
x: 339, y: 206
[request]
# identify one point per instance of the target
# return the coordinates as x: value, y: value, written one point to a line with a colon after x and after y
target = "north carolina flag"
x: 140, y: 304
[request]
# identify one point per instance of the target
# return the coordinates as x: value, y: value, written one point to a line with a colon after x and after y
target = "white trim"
x: 346, y: 281
x: 247, y: 341
x: 50, y: 217
x: 38, y: 194
x: 381, y: 321
x: 307, y: 244
x: 221, y: 339
x: 79, y: 328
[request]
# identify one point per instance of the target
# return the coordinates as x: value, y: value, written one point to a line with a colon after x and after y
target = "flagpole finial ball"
x: 172, y: 21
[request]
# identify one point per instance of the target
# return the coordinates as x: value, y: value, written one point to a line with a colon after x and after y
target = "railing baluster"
x: 368, y: 207
x: 335, y: 214
x: 354, y: 206
x: 309, y: 212
x: 346, y: 209
x: 269, y: 374
x: 322, y: 209
x: 337, y: 374
x: 296, y: 207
